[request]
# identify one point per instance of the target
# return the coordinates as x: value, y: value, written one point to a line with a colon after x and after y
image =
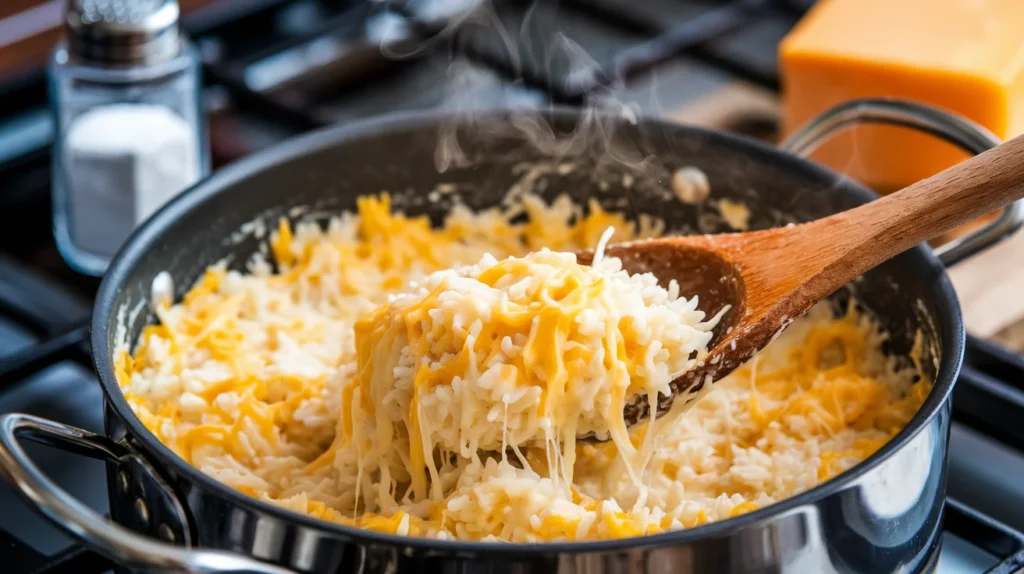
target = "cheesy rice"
x: 531, y: 350
x: 260, y: 380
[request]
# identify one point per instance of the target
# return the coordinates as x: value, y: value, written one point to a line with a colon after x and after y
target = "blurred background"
x: 273, y: 69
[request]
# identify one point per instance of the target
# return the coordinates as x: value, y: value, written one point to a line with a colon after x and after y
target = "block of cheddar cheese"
x: 966, y: 56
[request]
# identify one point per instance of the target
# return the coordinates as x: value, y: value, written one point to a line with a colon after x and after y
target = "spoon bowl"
x: 702, y: 272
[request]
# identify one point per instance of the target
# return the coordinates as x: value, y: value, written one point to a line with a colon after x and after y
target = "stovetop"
x: 277, y: 68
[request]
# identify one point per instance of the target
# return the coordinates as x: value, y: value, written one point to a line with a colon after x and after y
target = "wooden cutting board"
x: 991, y: 290
x: 990, y: 285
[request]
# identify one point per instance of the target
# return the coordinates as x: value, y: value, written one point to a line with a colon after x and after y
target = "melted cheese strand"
x: 462, y: 375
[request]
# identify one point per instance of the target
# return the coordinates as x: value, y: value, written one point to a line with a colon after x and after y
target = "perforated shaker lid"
x: 122, y: 32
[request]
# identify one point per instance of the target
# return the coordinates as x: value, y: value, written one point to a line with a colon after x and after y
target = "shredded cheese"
x: 271, y: 382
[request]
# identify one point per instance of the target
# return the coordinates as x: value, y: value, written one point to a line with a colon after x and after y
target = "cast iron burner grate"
x: 249, y: 49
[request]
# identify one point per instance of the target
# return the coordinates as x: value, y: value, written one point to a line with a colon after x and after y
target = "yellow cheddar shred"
x: 277, y: 384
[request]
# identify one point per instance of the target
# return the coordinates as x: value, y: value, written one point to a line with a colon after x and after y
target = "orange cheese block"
x: 966, y: 56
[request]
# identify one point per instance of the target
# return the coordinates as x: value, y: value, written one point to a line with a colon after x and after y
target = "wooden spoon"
x: 771, y: 277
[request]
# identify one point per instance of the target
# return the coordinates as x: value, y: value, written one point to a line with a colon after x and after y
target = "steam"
x: 448, y: 23
x: 456, y: 15
x: 565, y: 59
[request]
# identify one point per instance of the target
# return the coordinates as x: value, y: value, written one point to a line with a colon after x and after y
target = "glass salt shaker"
x: 124, y: 87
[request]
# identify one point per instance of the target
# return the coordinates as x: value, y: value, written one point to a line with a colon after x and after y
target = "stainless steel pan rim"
x: 950, y: 330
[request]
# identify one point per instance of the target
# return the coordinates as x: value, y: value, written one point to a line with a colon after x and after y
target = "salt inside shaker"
x: 125, y: 87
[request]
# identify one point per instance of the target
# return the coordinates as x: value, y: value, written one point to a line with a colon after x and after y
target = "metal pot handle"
x: 950, y: 127
x: 118, y: 543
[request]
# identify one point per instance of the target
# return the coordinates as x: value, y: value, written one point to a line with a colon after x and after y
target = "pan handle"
x: 950, y: 127
x: 118, y: 543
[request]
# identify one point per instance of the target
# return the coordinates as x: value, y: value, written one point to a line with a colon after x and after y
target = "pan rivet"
x: 142, y: 512
x: 165, y: 532
x: 123, y: 481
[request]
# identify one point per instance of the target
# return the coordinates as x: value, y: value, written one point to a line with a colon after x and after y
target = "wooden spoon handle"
x: 881, y: 229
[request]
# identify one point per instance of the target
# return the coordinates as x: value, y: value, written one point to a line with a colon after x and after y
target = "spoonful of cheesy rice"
x: 527, y: 351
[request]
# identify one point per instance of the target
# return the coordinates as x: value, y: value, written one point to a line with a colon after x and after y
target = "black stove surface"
x: 277, y: 68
